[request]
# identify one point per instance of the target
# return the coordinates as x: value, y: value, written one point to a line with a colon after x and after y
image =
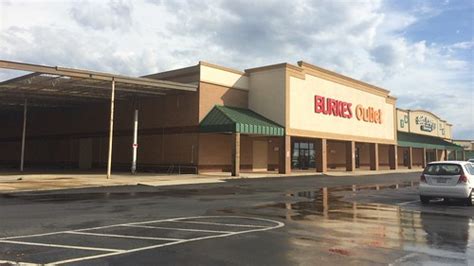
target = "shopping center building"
x: 210, y: 118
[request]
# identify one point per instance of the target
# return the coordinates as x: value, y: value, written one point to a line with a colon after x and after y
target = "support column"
x: 135, y: 142
x: 392, y: 157
x: 321, y: 155
x: 236, y: 154
x: 410, y: 157
x: 423, y: 158
x: 284, y: 165
x: 23, y: 136
x: 350, y: 156
x: 436, y: 155
x: 455, y: 157
x: 463, y: 155
x: 445, y: 155
x: 374, y: 156
x: 111, y: 130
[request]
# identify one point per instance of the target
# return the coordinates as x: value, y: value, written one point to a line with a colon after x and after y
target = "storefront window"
x: 303, y: 155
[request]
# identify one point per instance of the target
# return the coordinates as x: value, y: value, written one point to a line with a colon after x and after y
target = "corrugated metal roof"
x: 421, y: 141
x: 239, y: 120
x: 49, y: 86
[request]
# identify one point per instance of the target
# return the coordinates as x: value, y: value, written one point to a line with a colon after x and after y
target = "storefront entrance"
x: 303, y: 156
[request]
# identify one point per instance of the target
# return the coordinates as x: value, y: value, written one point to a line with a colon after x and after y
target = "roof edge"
x: 304, y: 64
x: 232, y: 70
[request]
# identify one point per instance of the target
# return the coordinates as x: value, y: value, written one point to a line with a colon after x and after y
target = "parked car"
x: 471, y: 160
x: 447, y: 179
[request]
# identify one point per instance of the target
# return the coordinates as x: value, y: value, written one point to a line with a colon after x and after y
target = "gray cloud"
x: 116, y: 14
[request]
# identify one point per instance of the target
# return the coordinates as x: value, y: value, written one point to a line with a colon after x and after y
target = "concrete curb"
x: 42, y: 182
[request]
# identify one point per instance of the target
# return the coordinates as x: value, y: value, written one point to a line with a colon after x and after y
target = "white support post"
x: 135, y: 142
x: 23, y: 137
x: 111, y: 130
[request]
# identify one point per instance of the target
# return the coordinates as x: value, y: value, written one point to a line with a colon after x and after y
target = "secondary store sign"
x: 329, y: 106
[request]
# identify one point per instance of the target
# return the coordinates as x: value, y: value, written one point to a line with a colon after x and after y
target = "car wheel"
x: 470, y: 198
x: 424, y: 199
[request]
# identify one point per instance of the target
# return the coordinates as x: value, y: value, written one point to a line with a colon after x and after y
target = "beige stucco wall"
x: 267, y: 94
x: 222, y: 77
x: 303, y: 117
x: 449, y: 134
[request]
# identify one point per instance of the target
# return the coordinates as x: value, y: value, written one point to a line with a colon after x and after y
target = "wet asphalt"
x: 365, y: 220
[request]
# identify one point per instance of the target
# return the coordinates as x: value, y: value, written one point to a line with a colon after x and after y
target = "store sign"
x: 404, y: 121
x: 328, y: 106
x: 369, y: 114
x: 425, y: 123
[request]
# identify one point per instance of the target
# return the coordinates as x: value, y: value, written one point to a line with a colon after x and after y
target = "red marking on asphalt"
x: 340, y: 251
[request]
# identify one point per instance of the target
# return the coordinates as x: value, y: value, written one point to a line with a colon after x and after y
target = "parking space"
x: 104, y: 241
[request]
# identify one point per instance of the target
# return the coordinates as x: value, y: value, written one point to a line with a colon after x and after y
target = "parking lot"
x: 279, y: 221
x: 117, y: 239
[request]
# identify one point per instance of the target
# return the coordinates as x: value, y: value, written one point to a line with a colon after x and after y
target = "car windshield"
x: 443, y: 169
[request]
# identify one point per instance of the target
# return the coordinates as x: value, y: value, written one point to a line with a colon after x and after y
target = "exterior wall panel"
x: 267, y: 94
x: 303, y: 117
x: 211, y: 95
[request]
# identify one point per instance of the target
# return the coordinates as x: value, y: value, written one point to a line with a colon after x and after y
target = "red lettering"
x: 326, y: 105
x: 318, y: 104
x: 338, y: 108
x: 349, y: 115
x: 329, y: 106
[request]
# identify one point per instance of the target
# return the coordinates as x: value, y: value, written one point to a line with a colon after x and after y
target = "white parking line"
x: 173, y: 241
x: 60, y: 246
x: 168, y: 244
x: 124, y: 236
x: 408, y: 202
x: 210, y: 223
x: 17, y: 263
x: 179, y: 229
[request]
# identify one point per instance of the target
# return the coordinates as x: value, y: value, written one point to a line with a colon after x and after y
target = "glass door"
x: 303, y: 156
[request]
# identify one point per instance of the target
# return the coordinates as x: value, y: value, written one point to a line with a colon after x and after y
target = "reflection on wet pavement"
x: 353, y: 229
x: 65, y: 197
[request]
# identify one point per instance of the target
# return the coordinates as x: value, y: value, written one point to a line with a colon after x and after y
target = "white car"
x: 447, y: 179
x: 471, y: 160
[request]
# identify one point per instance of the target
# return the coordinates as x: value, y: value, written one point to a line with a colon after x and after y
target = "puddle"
x: 353, y: 229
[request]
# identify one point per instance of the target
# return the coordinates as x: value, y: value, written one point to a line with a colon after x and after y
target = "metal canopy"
x: 406, y: 139
x: 239, y: 120
x: 50, y: 86
x: 59, y: 87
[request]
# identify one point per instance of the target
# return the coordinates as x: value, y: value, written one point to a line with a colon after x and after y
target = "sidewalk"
x: 14, y: 182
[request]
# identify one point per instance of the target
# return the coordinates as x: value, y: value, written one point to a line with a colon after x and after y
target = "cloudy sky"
x: 422, y: 51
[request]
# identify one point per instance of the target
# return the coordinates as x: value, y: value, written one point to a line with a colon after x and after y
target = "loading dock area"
x: 58, y: 117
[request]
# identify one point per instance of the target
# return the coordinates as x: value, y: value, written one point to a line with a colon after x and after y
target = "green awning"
x: 239, y: 120
x: 420, y: 141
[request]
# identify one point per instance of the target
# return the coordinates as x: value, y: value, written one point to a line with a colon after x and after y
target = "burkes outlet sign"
x: 328, y: 106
